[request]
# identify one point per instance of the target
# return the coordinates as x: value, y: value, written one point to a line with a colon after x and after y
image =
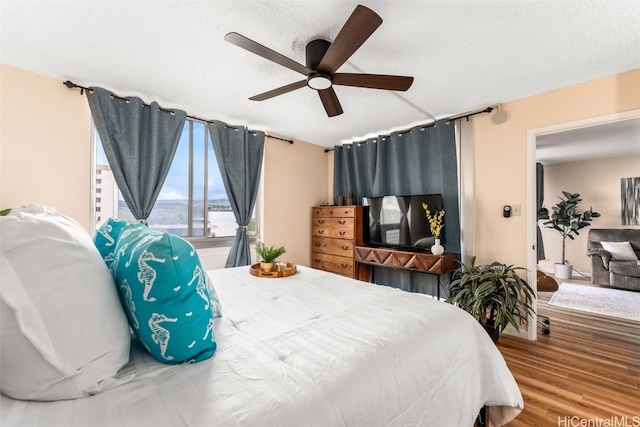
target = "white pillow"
x: 620, y: 251
x: 63, y: 331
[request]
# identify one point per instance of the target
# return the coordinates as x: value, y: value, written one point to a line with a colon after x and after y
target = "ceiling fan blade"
x: 330, y: 102
x: 279, y: 91
x: 373, y: 81
x: 360, y: 25
x: 253, y: 47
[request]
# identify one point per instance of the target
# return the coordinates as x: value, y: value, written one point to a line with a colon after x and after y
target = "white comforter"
x: 313, y: 349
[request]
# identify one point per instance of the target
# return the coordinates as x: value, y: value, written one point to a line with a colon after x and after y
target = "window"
x: 193, y: 202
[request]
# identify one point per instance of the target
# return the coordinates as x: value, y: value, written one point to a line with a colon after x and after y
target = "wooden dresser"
x: 335, y: 232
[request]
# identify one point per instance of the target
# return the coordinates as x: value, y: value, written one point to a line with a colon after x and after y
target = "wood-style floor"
x: 588, y: 368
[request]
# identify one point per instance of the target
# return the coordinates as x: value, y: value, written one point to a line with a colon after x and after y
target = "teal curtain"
x: 139, y: 141
x: 422, y: 160
x: 355, y: 166
x: 239, y: 154
x: 539, y: 204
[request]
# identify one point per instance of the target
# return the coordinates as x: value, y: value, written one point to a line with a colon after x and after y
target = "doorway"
x: 549, y: 132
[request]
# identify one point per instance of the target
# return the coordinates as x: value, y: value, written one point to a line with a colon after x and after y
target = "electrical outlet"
x: 517, y: 210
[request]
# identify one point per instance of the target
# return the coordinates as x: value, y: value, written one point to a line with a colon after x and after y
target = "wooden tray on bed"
x: 290, y: 270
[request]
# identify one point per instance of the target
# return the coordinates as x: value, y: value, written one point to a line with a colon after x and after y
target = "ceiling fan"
x: 323, y: 59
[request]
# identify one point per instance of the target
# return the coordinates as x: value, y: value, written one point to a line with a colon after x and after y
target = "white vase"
x: 437, y: 248
x: 562, y: 271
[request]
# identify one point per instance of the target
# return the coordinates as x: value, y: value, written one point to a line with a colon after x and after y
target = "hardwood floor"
x: 588, y: 368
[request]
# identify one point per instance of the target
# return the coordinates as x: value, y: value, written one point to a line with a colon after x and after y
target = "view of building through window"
x: 192, y: 192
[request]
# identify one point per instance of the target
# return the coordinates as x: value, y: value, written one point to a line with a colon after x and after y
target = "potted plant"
x: 268, y: 254
x: 567, y: 220
x: 494, y: 294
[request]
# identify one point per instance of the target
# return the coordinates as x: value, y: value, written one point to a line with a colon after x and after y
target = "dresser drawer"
x: 332, y: 246
x: 374, y: 256
x: 337, y: 228
x: 334, y: 211
x: 425, y: 262
x: 333, y: 263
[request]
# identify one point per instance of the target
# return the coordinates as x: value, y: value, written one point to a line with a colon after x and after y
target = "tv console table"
x: 424, y: 262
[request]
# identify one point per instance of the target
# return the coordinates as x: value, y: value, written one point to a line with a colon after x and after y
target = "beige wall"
x: 598, y: 183
x: 45, y: 137
x: 295, y: 180
x: 501, y: 157
x: 45, y: 158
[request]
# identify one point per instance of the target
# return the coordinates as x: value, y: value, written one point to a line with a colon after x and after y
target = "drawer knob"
x: 345, y: 265
x: 321, y: 221
x: 344, y: 247
x: 342, y: 233
x: 342, y: 222
x: 320, y: 231
x: 318, y: 244
x: 317, y: 260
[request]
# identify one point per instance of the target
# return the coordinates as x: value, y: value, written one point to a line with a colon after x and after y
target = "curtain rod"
x: 290, y: 141
x: 72, y: 85
x: 469, y: 114
x: 432, y: 124
x: 400, y: 133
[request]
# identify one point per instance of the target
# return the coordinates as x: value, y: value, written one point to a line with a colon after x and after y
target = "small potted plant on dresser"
x: 494, y: 294
x: 268, y: 254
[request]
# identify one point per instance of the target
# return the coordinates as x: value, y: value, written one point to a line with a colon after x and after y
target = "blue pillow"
x: 106, y: 238
x: 165, y: 293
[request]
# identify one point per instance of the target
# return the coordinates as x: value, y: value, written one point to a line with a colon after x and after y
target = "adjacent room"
x: 598, y: 162
x: 446, y: 234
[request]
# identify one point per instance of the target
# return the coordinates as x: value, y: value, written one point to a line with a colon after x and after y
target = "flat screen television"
x: 400, y: 221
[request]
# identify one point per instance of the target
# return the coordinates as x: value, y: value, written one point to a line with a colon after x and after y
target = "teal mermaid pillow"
x: 166, y: 294
x: 106, y: 237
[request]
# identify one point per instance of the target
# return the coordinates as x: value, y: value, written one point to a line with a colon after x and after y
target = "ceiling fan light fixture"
x: 324, y: 58
x: 319, y: 81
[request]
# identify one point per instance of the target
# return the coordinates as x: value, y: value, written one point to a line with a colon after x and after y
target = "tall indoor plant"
x: 494, y: 294
x: 567, y: 220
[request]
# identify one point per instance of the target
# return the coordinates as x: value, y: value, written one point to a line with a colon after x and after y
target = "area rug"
x: 605, y: 301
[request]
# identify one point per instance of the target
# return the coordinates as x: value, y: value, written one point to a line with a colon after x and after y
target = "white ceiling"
x: 600, y: 141
x: 464, y: 55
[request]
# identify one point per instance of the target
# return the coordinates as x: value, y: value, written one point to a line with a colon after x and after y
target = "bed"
x: 311, y: 349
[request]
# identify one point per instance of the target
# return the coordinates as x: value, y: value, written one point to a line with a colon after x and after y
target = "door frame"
x: 532, y: 135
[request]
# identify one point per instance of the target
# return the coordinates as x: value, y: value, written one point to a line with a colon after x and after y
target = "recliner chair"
x: 608, y: 269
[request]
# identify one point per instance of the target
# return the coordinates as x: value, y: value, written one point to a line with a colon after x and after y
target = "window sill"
x: 215, y: 242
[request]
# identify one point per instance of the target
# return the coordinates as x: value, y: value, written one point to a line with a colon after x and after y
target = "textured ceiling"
x: 464, y: 55
x: 615, y: 139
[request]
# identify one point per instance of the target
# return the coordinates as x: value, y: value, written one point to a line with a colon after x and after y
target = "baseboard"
x: 583, y: 274
x: 510, y: 330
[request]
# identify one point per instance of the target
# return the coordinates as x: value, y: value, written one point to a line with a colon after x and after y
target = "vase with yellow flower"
x: 436, y: 223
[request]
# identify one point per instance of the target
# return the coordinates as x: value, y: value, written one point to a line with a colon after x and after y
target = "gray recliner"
x: 606, y: 270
